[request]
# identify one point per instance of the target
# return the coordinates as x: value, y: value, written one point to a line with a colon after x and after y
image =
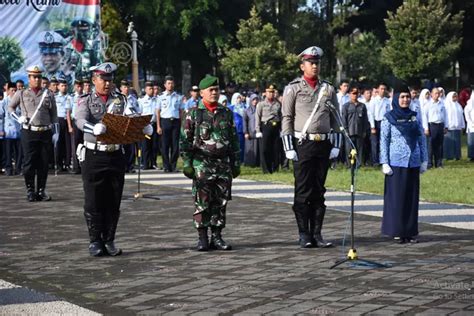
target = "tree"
x: 362, y: 57
x: 261, y: 58
x: 11, y: 56
x: 424, y: 38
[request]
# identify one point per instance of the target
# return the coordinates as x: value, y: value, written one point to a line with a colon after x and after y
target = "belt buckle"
x: 317, y: 137
x: 109, y: 148
x: 274, y: 123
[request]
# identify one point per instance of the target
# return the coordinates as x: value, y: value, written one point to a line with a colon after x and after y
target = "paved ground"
x: 43, y: 246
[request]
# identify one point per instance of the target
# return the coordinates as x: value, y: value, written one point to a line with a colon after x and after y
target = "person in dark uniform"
x: 103, y: 166
x: 38, y: 118
x: 308, y: 111
x: 268, y: 126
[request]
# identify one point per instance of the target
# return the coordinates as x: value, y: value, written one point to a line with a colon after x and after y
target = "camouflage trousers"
x: 211, y: 191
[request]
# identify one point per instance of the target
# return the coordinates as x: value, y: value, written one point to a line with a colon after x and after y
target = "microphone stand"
x: 139, y: 195
x: 352, y: 254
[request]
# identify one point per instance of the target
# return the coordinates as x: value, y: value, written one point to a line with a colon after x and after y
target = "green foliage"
x: 424, y: 39
x: 362, y: 57
x: 11, y: 56
x: 261, y: 57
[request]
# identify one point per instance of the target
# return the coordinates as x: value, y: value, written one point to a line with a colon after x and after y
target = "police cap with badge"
x: 81, y: 23
x: 104, y: 71
x: 313, y: 53
x: 50, y: 42
x: 35, y: 70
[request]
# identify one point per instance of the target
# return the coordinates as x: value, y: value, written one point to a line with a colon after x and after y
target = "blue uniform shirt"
x: 169, y: 104
x: 191, y: 103
x: 434, y: 112
x: 8, y: 124
x: 147, y: 105
x: 63, y: 103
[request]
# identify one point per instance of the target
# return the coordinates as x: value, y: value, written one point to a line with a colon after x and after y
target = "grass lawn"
x: 453, y: 183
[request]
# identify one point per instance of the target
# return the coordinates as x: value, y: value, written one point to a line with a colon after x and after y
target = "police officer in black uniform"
x: 38, y: 119
x: 103, y: 166
x: 309, y: 105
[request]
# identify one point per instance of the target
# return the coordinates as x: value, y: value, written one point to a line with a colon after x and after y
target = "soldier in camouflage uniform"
x: 210, y: 151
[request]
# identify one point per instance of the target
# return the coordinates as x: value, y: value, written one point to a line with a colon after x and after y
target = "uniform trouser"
x: 437, y: 139
x: 211, y: 191
x: 270, y: 147
x: 375, y: 144
x: 103, y: 179
x: 310, y: 173
x: 63, y: 153
x: 156, y: 144
x: 358, y: 142
x: 146, y: 147
x: 14, y: 152
x: 77, y: 137
x: 36, y: 148
x: 170, y: 142
x: 130, y: 152
x: 2, y: 156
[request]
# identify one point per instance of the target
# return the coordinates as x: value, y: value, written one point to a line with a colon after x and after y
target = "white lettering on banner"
x: 38, y: 5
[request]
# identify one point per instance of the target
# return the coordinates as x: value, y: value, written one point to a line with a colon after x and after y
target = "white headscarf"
x: 454, y: 112
x: 469, y: 113
x: 442, y: 93
x: 422, y: 99
x: 233, y: 100
x: 223, y: 98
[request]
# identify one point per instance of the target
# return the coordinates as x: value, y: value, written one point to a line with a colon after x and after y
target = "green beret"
x: 208, y: 81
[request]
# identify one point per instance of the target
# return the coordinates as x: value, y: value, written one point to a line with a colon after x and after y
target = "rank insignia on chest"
x: 117, y: 101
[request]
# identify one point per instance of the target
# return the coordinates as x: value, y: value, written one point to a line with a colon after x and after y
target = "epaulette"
x: 295, y: 81
x: 85, y: 95
x: 327, y: 81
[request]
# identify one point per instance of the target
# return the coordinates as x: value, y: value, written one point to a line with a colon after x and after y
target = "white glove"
x: 424, y: 167
x: 148, y: 130
x: 99, y: 129
x: 22, y: 119
x: 334, y: 153
x: 258, y: 135
x: 292, y: 155
x: 387, y: 170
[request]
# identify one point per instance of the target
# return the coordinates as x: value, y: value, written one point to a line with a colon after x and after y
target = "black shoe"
x: 31, y: 196
x: 305, y: 241
x: 112, y: 250
x: 203, y: 242
x: 411, y: 240
x: 217, y: 243
x: 319, y: 242
x: 96, y: 249
x: 42, y: 195
x: 399, y: 240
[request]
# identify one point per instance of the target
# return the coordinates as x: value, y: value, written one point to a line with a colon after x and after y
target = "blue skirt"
x: 470, y: 145
x: 401, y: 200
x: 452, y: 145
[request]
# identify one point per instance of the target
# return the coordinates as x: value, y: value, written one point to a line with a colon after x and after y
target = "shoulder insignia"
x: 84, y: 95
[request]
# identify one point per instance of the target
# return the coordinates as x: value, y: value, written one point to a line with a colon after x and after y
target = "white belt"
x: 102, y: 147
x: 37, y: 128
x: 315, y: 137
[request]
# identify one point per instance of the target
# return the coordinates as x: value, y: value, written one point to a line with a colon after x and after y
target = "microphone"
x: 331, y: 106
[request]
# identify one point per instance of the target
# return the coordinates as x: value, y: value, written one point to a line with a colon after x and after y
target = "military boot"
x: 301, y: 215
x: 109, y: 237
x: 203, y: 242
x: 217, y: 243
x: 41, y: 195
x: 96, y: 246
x: 316, y: 224
x: 30, y: 189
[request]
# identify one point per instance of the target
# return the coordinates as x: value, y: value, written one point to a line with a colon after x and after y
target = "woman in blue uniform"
x: 403, y: 156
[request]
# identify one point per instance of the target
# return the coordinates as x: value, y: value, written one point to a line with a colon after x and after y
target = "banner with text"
x: 63, y: 36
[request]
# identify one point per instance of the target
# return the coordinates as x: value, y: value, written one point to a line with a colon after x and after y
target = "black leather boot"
x: 203, y: 242
x: 109, y: 236
x: 316, y: 224
x: 30, y: 190
x: 217, y: 242
x: 41, y: 195
x: 301, y: 214
x: 96, y: 246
